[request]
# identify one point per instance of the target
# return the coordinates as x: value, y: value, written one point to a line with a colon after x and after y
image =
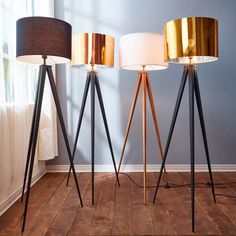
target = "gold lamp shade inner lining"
x: 92, y: 50
x: 191, y: 40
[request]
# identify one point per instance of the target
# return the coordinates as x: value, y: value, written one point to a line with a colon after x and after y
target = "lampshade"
x: 191, y: 40
x: 140, y: 50
x: 38, y: 36
x: 92, y: 49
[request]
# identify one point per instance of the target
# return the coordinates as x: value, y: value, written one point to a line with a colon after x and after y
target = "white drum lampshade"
x: 142, y: 51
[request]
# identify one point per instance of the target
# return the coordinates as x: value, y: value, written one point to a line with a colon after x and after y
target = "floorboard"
x: 54, y: 208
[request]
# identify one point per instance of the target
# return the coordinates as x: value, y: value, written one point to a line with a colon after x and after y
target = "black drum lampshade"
x: 43, y: 36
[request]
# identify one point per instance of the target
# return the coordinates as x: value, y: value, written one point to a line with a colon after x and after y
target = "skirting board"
x: 15, y: 195
x: 139, y: 168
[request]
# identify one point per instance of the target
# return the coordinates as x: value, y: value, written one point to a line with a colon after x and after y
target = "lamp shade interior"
x: 43, y: 36
x: 140, y: 51
x: 191, y: 40
x: 92, y: 50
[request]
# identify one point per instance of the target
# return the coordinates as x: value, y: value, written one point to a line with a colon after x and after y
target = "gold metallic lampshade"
x: 92, y: 50
x: 191, y: 40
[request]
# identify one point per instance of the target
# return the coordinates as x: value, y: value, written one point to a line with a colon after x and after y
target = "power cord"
x: 197, y: 185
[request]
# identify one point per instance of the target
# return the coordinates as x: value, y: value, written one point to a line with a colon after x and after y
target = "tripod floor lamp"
x: 142, y: 52
x: 45, y: 41
x: 190, y: 41
x: 93, y: 51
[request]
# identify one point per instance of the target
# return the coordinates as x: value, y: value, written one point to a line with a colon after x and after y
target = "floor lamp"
x: 142, y: 52
x: 93, y: 51
x: 45, y: 41
x: 190, y: 41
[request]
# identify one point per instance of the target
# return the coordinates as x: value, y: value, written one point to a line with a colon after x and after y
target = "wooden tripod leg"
x: 144, y: 121
x: 149, y: 89
x: 130, y: 119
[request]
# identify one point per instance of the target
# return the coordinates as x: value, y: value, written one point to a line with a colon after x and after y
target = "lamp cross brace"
x: 189, y: 73
x: 43, y: 71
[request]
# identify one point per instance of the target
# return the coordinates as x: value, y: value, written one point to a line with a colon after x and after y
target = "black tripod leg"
x: 92, y: 129
x: 106, y: 125
x: 178, y: 101
x: 34, y: 140
x: 59, y: 112
x: 31, y: 135
x: 201, y: 117
x: 79, y: 122
x: 191, y: 126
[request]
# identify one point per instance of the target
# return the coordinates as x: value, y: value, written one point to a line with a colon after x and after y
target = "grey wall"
x: 217, y: 83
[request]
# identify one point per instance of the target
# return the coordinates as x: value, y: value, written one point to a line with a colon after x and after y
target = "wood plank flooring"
x: 54, y: 209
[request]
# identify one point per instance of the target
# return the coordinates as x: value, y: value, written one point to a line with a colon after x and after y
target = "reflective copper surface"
x: 92, y: 50
x: 191, y: 40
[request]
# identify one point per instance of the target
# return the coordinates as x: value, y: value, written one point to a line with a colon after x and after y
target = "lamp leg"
x: 92, y: 129
x: 144, y: 121
x: 34, y: 139
x: 191, y: 126
x: 79, y: 122
x: 176, y: 110
x: 130, y: 118
x: 149, y: 89
x: 99, y: 93
x: 201, y: 117
x: 31, y: 136
x: 59, y: 112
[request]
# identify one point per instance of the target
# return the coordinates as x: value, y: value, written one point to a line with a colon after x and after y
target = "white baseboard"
x: 139, y: 168
x: 15, y: 195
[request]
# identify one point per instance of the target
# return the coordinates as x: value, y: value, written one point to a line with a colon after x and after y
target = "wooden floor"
x: 54, y: 209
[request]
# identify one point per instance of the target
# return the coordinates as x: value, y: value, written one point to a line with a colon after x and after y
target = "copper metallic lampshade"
x: 92, y: 50
x: 191, y: 40
x: 43, y: 36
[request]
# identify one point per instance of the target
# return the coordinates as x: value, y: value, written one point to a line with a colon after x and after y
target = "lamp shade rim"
x: 89, y: 66
x: 147, y: 67
x: 45, y: 17
x: 199, y: 59
x: 190, y: 17
x: 38, y: 59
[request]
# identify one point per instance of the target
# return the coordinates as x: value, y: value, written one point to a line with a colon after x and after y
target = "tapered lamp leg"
x: 34, y: 140
x: 176, y: 110
x: 130, y: 119
x: 149, y: 89
x: 99, y: 93
x: 144, y: 121
x: 191, y: 126
x: 79, y: 122
x: 31, y: 136
x: 62, y: 123
x: 92, y: 130
x: 201, y: 118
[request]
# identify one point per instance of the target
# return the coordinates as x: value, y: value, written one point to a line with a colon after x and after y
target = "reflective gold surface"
x: 191, y: 40
x: 92, y: 50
